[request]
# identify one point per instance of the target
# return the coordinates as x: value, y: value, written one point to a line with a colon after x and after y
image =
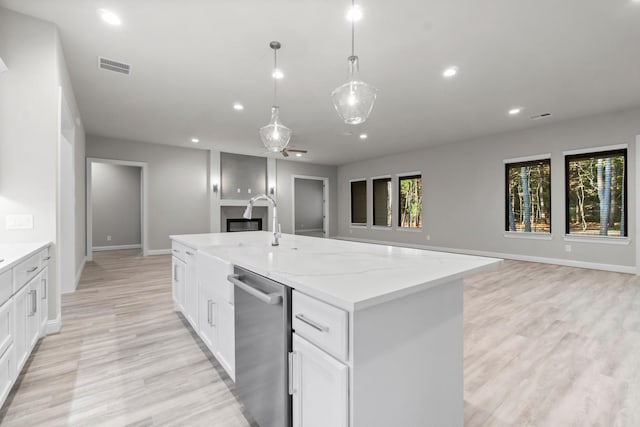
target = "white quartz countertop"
x: 349, y: 275
x: 13, y: 253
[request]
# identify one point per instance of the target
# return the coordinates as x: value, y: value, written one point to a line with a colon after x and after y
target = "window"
x: 410, y: 201
x: 596, y: 191
x: 382, y: 202
x: 528, y: 196
x: 359, y: 202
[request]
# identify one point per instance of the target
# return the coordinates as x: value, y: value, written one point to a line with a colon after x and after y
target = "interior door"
x: 309, y: 207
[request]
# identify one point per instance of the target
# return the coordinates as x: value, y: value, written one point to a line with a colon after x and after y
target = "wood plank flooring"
x: 544, y: 346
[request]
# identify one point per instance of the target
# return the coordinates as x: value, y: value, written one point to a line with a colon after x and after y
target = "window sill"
x: 410, y: 230
x: 601, y: 240
x: 381, y: 227
x: 525, y: 235
x: 357, y: 225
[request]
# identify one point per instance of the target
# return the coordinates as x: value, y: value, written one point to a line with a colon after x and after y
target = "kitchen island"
x: 377, y: 330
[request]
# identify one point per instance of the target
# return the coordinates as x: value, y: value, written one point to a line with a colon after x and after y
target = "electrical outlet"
x: 567, y: 248
x: 19, y: 222
x: 249, y: 191
x: 239, y: 191
x: 108, y: 238
x: 428, y: 236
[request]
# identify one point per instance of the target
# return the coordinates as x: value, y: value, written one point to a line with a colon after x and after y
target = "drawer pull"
x: 189, y: 253
x: 176, y: 251
x: 47, y: 258
x: 32, y: 269
x: 315, y: 325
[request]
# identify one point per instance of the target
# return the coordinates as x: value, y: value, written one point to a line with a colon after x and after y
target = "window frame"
x: 595, y: 154
x: 519, y: 163
x: 366, y: 213
x: 373, y: 201
x: 409, y: 175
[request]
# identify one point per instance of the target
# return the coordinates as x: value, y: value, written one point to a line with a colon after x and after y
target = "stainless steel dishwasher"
x: 263, y: 342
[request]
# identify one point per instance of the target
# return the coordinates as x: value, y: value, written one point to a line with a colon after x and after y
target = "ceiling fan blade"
x: 296, y: 150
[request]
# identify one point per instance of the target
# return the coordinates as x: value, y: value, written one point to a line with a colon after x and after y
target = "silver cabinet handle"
x: 315, y: 325
x: 271, y: 299
x: 209, y: 312
x: 34, y: 302
x: 292, y: 356
x: 175, y: 273
x: 32, y: 269
x: 46, y: 258
x: 189, y: 253
x: 44, y: 289
x: 176, y: 251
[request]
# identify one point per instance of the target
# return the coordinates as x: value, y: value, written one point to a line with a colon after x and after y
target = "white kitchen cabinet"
x: 44, y: 301
x: 319, y: 387
x: 191, y: 289
x: 178, y: 271
x: 33, y: 317
x: 7, y: 372
x: 22, y: 303
x: 226, y: 345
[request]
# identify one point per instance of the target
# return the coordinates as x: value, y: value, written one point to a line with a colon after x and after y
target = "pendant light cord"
x: 353, y: 28
x: 275, y: 80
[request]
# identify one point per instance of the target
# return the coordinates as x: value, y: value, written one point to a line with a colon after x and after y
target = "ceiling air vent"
x: 540, y: 116
x: 111, y: 65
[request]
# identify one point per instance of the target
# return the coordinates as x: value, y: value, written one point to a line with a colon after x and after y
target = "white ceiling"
x: 192, y: 59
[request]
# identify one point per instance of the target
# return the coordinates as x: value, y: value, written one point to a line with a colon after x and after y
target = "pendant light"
x: 354, y: 100
x: 275, y: 136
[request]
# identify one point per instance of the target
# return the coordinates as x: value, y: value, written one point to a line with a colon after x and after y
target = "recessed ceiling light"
x: 195, y: 140
x: 277, y: 74
x: 238, y: 107
x: 363, y: 136
x: 109, y: 17
x: 298, y: 154
x: 450, y: 72
x: 354, y: 14
x: 515, y: 111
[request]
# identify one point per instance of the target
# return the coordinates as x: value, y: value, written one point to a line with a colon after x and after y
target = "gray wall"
x: 308, y: 204
x: 285, y: 170
x: 29, y: 126
x: 464, y: 188
x: 177, y: 199
x: 244, y: 173
x: 115, y: 204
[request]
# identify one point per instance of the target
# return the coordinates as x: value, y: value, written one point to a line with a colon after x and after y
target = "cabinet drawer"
x: 45, y: 256
x: 6, y: 325
x: 6, y: 286
x: 324, y: 325
x: 7, y: 370
x: 25, y: 271
x: 181, y: 251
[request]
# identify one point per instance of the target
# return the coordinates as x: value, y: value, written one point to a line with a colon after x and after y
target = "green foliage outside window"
x: 528, y: 196
x: 410, y: 213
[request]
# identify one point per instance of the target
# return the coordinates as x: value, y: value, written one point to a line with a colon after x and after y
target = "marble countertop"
x: 349, y: 275
x: 13, y: 253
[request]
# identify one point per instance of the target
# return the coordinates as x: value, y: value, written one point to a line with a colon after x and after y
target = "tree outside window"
x: 382, y: 202
x: 528, y: 196
x: 596, y: 191
x: 410, y: 201
x: 359, y: 202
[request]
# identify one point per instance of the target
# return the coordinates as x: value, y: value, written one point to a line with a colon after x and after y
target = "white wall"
x: 308, y: 204
x: 29, y: 126
x: 178, y: 199
x: 464, y: 190
x: 285, y: 170
x: 115, y: 204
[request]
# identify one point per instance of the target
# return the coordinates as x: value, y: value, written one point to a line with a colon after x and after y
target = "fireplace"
x: 241, y: 224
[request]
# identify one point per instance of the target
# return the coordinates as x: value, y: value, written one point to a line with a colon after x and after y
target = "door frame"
x: 143, y: 201
x: 325, y: 202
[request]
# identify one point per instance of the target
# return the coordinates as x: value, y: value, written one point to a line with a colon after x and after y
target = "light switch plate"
x: 3, y: 67
x: 19, y: 222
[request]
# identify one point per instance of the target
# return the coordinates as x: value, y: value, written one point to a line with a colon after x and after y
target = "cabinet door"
x: 320, y: 386
x: 22, y: 310
x: 177, y: 282
x: 191, y: 290
x: 33, y: 317
x: 44, y: 301
x: 207, y: 318
x: 226, y: 345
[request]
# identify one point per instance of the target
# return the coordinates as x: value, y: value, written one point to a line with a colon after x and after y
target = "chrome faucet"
x: 247, y: 215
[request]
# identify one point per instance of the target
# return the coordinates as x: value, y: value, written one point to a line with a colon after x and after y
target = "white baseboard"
x: 54, y: 326
x: 556, y: 261
x: 79, y: 272
x: 116, y: 247
x: 159, y: 252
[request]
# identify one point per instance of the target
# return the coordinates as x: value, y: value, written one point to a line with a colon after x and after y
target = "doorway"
x: 116, y: 205
x: 310, y: 206
x: 66, y: 209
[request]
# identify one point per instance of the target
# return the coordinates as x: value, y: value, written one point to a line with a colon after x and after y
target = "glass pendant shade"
x: 354, y: 100
x: 275, y: 136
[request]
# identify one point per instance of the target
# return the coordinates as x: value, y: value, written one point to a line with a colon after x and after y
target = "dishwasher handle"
x: 271, y: 299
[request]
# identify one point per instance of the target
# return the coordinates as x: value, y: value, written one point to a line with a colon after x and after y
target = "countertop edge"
x: 12, y: 262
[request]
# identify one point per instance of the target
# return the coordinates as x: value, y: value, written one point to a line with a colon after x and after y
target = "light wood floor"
x: 544, y: 346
